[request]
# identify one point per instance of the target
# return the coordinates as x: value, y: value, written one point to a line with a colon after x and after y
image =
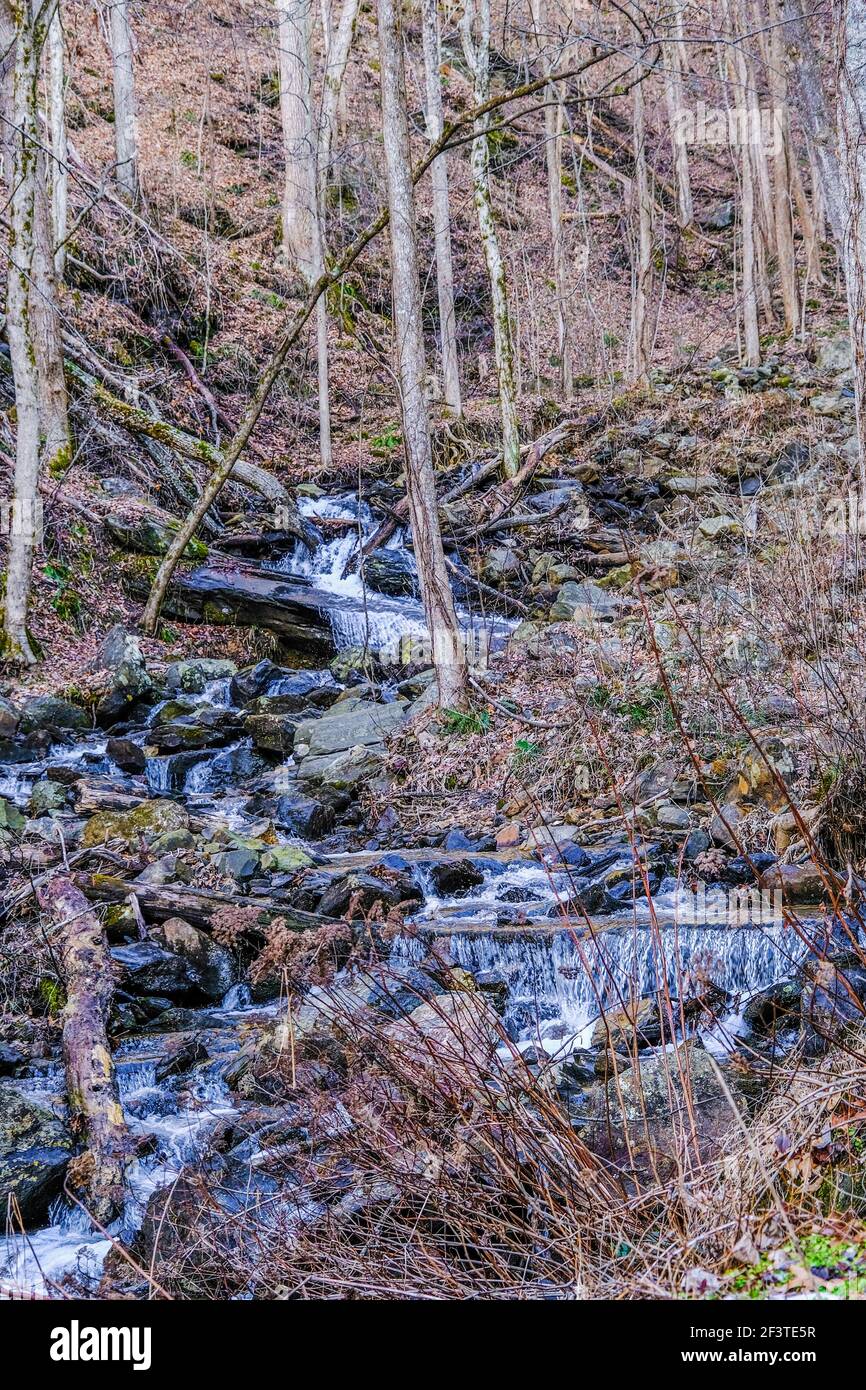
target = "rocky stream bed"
x: 214, y: 785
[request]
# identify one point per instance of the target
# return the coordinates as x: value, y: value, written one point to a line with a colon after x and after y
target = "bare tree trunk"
x: 302, y: 228
x: 123, y: 75
x: 31, y: 323
x: 441, y: 210
x: 804, y: 75
x: 641, y: 329
x: 674, y: 59
x: 851, y: 97
x: 738, y: 70
x: 335, y: 71
x: 783, y: 157
x: 57, y: 128
x: 477, y: 52
x: 90, y: 1077
x: 553, y: 127
x: 449, y: 657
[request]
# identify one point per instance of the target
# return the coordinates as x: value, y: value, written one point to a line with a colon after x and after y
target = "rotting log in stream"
x: 94, y: 1099
x: 195, y: 905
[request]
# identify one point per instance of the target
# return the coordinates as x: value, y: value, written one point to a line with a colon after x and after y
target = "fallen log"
x: 94, y: 1100
x: 159, y: 902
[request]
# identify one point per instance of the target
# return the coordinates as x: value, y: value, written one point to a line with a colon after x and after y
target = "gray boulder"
x: 35, y: 1148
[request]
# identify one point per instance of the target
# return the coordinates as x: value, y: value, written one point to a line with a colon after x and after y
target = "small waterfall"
x: 558, y: 978
x: 361, y: 616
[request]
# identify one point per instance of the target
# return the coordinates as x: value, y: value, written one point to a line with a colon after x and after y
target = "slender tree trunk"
x: 31, y: 320
x: 553, y: 127
x: 641, y: 328
x: 804, y: 75
x: 449, y: 657
x: 302, y: 227
x: 335, y: 72
x: 738, y: 71
x: 441, y: 210
x: 851, y: 98
x: 477, y: 53
x: 123, y: 75
x: 783, y: 157
x: 57, y: 128
x: 90, y: 1077
x: 675, y: 93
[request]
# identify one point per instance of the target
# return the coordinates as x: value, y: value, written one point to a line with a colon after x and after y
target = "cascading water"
x: 559, y: 981
x: 361, y: 616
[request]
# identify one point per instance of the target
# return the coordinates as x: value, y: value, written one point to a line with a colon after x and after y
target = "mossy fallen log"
x: 94, y: 1100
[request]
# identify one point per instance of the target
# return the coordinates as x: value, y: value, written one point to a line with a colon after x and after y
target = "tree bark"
x: 123, y: 77
x: 782, y: 159
x: 57, y: 129
x: 641, y: 328
x: 804, y: 75
x: 90, y: 1077
x: 449, y: 657
x: 477, y: 53
x: 31, y: 321
x: 553, y: 128
x: 851, y: 99
x: 675, y: 95
x: 441, y: 210
x: 302, y: 226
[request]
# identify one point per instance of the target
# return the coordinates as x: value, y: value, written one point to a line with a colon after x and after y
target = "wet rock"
x: 800, y: 883
x: 194, y: 675
x: 294, y: 689
x: 337, y: 732
x: 455, y: 1036
x: 9, y: 718
x: 723, y: 827
x: 180, y: 1055
x: 50, y: 712
x: 10, y: 817
x: 833, y: 1000
x: 778, y: 1006
x: 391, y: 572
x: 128, y: 756
x: 637, y: 1024
x: 454, y: 877
x: 353, y: 664
x: 119, y: 654
x: 641, y: 1119
x: 147, y: 968
x: 213, y: 965
x: 358, y: 893
x: 11, y: 1058
x: 47, y: 796
x: 35, y: 1148
x: 147, y: 820
x: 272, y: 731
x: 208, y: 727
x: 304, y: 816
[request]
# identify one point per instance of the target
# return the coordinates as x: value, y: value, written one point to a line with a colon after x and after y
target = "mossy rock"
x: 150, y: 534
x: 150, y: 819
